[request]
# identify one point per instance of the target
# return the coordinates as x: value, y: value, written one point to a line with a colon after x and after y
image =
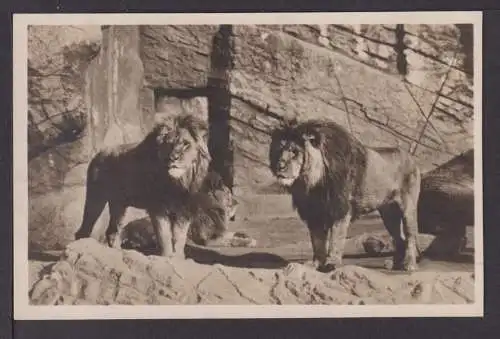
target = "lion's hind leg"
x: 392, y: 216
x: 409, y: 206
x: 95, y: 202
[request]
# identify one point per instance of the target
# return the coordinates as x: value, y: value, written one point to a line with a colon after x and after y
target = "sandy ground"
x: 271, y: 220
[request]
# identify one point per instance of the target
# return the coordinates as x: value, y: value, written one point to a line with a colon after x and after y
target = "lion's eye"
x: 295, y: 152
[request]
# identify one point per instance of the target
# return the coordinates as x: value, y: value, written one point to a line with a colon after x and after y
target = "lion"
x: 446, y: 202
x: 218, y: 206
x: 163, y: 174
x: 209, y: 226
x: 334, y: 179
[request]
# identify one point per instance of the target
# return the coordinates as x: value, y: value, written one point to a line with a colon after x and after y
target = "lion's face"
x: 183, y: 155
x: 287, y: 160
x: 183, y: 150
x: 297, y: 152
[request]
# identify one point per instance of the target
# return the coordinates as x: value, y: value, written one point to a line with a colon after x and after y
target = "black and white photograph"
x: 247, y: 165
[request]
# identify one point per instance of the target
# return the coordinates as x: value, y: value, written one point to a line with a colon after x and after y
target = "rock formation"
x: 90, y: 273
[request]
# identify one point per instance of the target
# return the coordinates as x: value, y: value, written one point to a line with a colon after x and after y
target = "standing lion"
x: 334, y: 179
x: 165, y: 174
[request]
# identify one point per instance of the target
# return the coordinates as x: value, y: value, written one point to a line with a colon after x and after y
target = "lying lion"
x: 446, y: 202
x: 208, y: 228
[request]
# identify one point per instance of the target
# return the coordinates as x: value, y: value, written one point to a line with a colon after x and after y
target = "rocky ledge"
x: 88, y: 272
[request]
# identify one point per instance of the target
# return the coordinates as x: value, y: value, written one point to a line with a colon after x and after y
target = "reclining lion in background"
x: 334, y: 179
x: 218, y: 206
x: 208, y: 228
x: 446, y: 202
x: 164, y: 174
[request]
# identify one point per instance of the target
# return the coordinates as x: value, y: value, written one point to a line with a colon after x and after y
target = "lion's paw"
x: 330, y: 266
x: 314, y: 264
x: 410, y: 267
x: 401, y: 266
x: 240, y: 239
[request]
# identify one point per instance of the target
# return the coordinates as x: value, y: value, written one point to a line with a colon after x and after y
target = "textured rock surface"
x: 84, y: 87
x: 177, y: 57
x: 58, y: 129
x: 89, y: 273
x: 57, y: 60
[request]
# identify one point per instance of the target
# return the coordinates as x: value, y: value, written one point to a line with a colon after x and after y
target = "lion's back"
x: 123, y: 172
x: 447, y: 195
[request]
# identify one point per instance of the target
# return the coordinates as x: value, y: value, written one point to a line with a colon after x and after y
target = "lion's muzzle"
x: 176, y: 171
x: 285, y: 181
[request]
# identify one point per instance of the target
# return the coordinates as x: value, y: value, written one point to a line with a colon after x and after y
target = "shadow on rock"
x: 203, y: 255
x: 43, y: 256
x: 139, y: 235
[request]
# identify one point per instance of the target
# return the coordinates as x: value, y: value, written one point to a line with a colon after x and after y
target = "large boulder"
x: 90, y: 273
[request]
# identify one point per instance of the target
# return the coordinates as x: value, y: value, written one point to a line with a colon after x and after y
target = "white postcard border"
x: 22, y: 309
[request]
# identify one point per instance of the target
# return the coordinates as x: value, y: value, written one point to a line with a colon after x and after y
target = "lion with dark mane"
x: 446, y: 202
x: 166, y: 174
x: 334, y: 179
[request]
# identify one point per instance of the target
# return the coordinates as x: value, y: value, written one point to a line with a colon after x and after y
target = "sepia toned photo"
x: 247, y: 165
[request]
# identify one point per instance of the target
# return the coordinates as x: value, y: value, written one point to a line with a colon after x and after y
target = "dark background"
x: 291, y: 328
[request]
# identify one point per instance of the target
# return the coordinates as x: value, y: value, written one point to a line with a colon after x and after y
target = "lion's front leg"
x: 114, y: 232
x: 180, y: 230
x: 319, y: 241
x: 163, y: 230
x: 336, y: 242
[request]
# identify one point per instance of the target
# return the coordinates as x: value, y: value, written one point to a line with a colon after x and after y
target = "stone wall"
x: 59, y: 132
x: 84, y: 85
x: 380, y: 81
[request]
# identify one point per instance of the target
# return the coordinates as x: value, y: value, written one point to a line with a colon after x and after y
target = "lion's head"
x: 296, y: 153
x: 320, y: 158
x: 182, y: 149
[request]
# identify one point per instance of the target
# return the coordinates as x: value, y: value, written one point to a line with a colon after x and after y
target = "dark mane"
x: 344, y: 160
x: 180, y: 195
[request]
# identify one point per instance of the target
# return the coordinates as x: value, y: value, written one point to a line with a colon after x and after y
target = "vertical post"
x: 219, y: 105
x: 399, y: 48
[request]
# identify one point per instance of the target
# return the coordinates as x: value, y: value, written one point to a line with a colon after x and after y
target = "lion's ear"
x: 161, y: 132
x: 202, y: 132
x: 314, y: 137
